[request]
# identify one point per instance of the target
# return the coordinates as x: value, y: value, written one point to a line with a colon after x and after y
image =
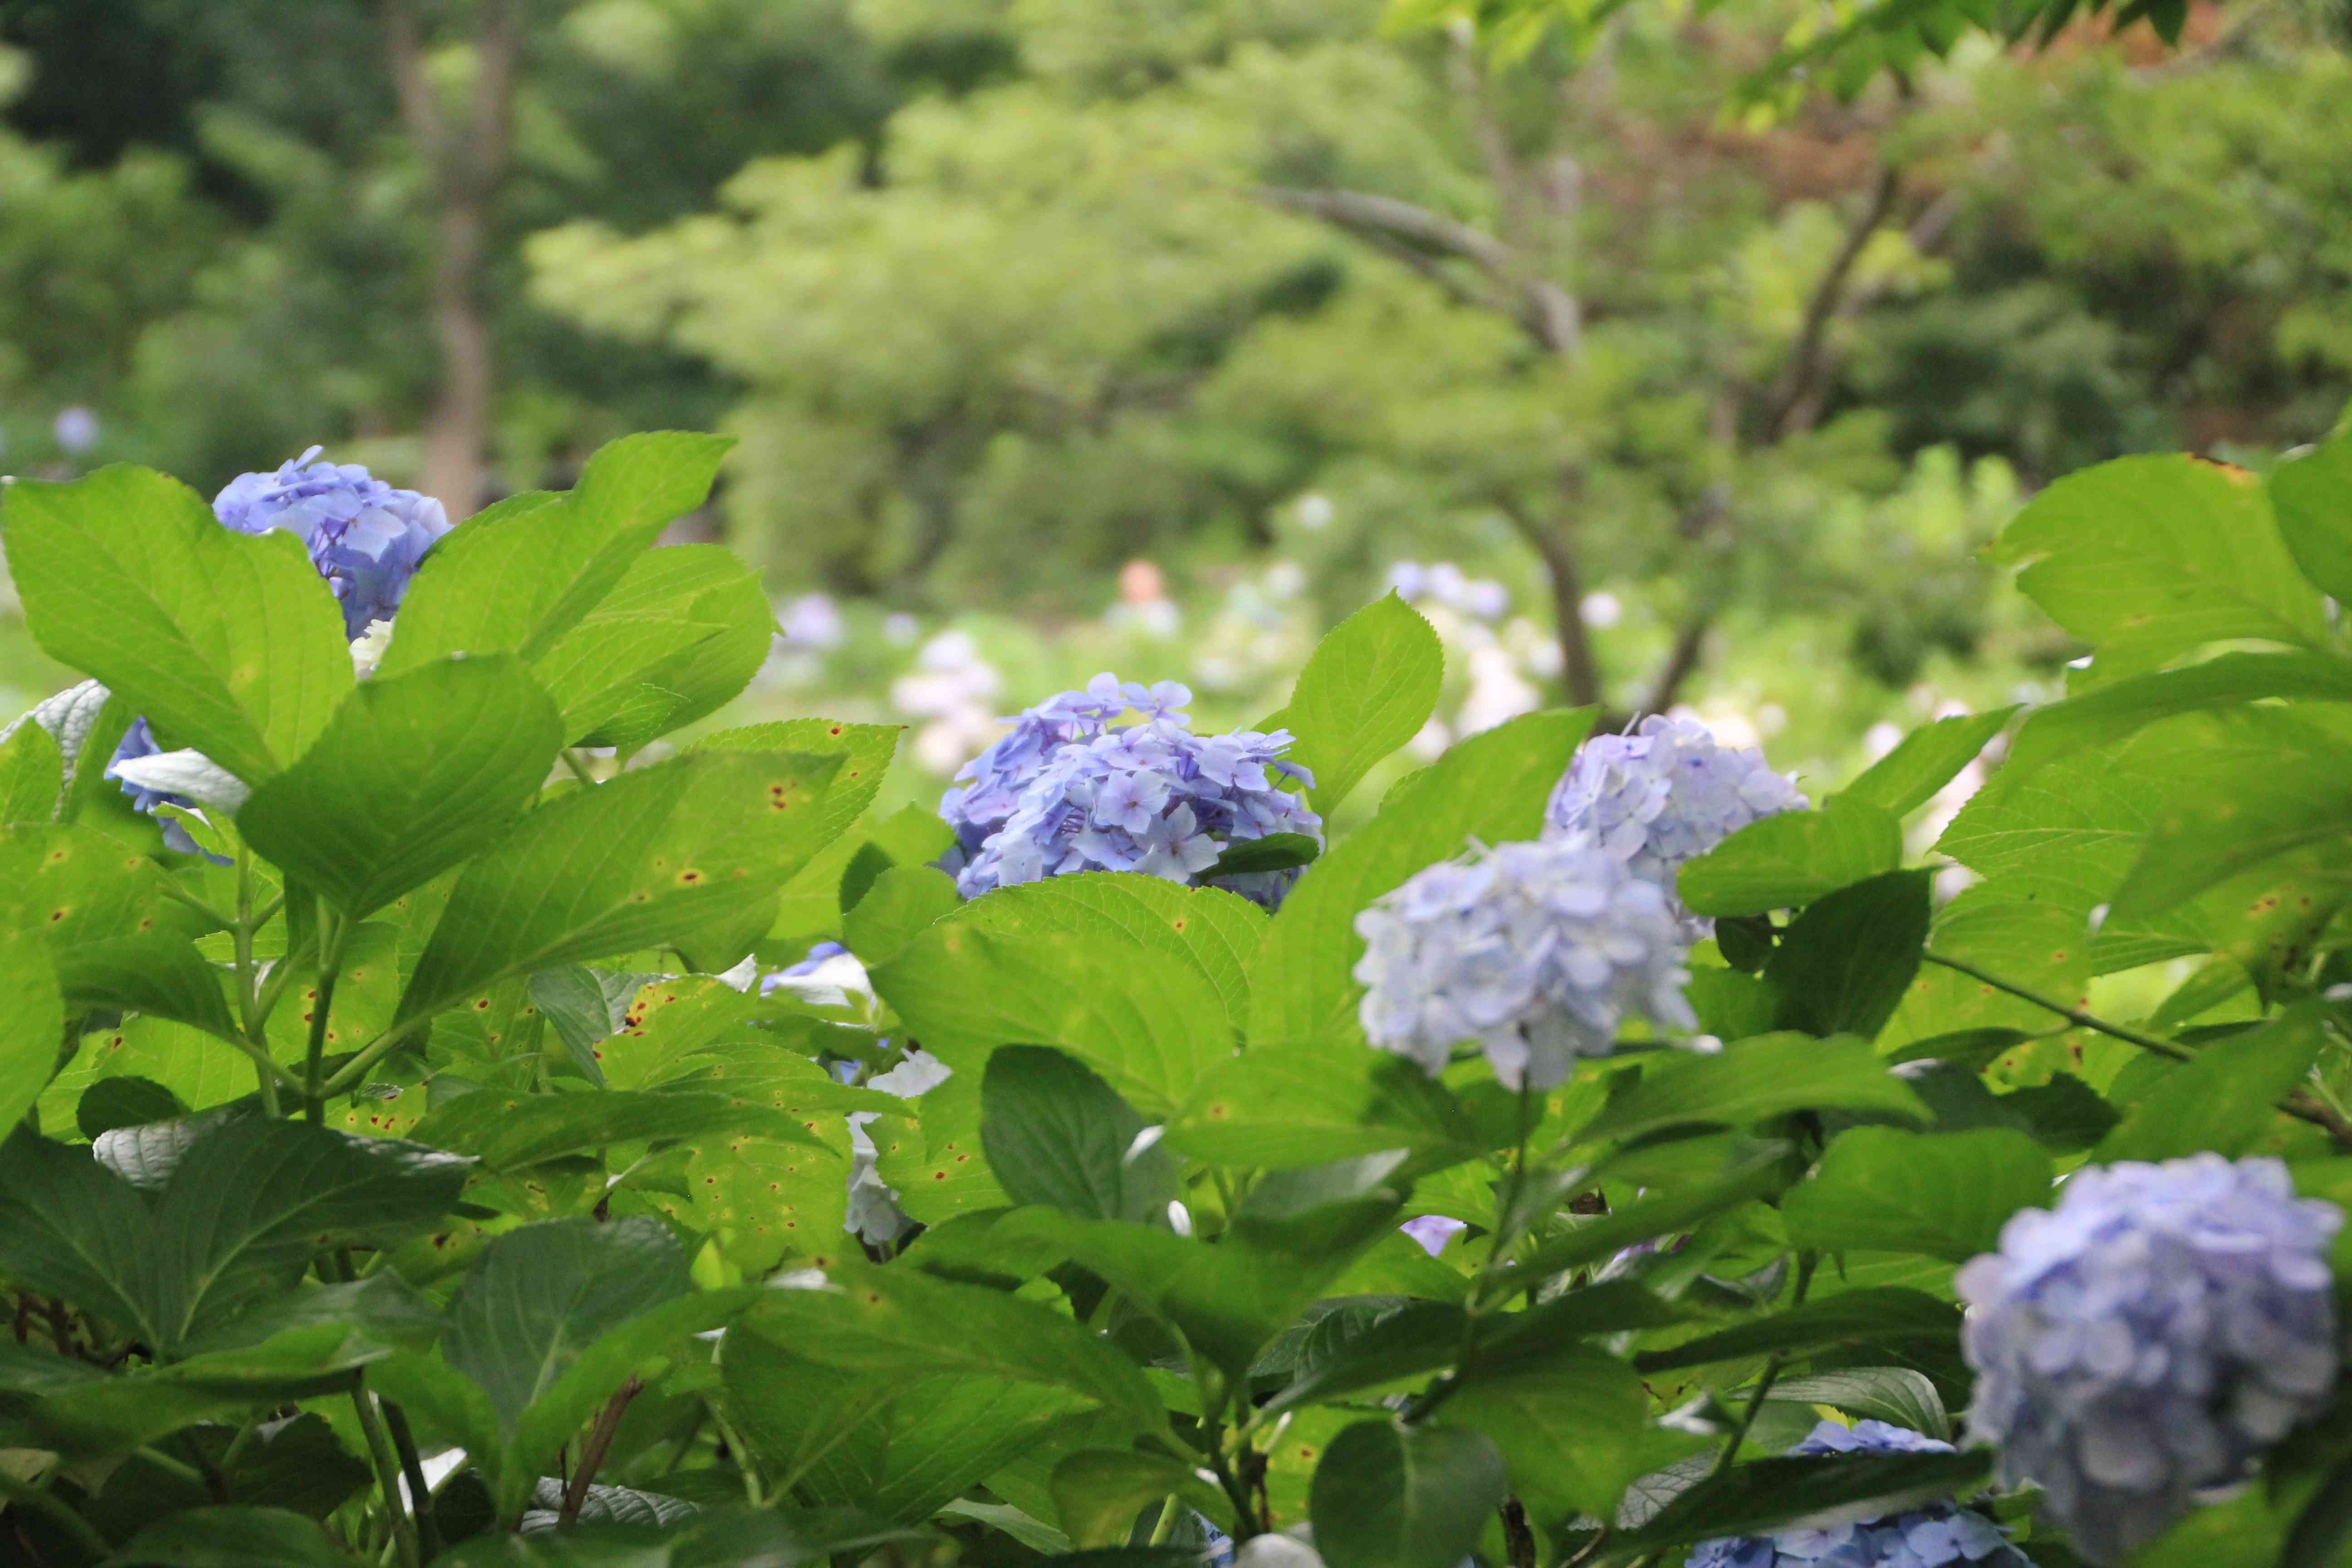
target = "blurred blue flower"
x: 2150, y: 1337
x: 75, y: 430
x: 366, y: 537
x: 1662, y: 795
x: 1067, y: 791
x: 1538, y: 952
x: 1940, y: 1535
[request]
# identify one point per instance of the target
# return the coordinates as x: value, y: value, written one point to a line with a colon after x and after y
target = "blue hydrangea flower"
x: 1151, y: 798
x: 1940, y: 1535
x: 366, y: 537
x: 1539, y: 951
x: 139, y: 741
x: 2148, y: 1337
x: 1664, y: 795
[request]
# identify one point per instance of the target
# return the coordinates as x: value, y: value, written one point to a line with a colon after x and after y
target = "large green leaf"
x: 683, y: 631
x: 2295, y: 798
x: 1369, y: 687
x: 2108, y: 714
x: 865, y: 751
x: 1573, y: 1427
x: 656, y: 853
x: 1098, y: 1492
x: 1311, y: 1101
x: 227, y: 642
x: 1056, y: 1134
x: 31, y: 774
x: 231, y: 1537
x: 2224, y: 1099
x: 1925, y: 760
x: 1756, y: 1498
x: 1650, y: 1214
x: 1492, y: 786
x: 1787, y: 861
x: 1892, y: 1393
x: 2313, y: 498
x: 1876, y: 1317
x: 32, y: 1023
x: 2148, y: 558
x: 1038, y: 964
x: 161, y: 974
x: 511, y: 1131
x: 518, y: 575
x: 415, y: 774
x: 1843, y: 965
x: 1751, y: 1080
x: 1391, y: 1496
x: 71, y: 1228
x: 1943, y: 1194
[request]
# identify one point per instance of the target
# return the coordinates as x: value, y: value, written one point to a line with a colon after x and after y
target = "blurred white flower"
x: 1429, y: 742
x: 1315, y: 511
x: 76, y: 429
x: 1880, y: 739
x: 1497, y: 691
x: 1285, y: 580
x: 813, y: 621
x: 899, y: 629
x: 1601, y: 610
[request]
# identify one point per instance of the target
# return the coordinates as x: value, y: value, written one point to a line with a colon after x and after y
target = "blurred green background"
x: 1155, y: 335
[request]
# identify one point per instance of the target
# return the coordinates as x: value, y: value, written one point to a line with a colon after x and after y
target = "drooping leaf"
x: 31, y: 774
x: 1787, y: 861
x: 511, y: 1131
x: 1925, y: 760
x: 1750, y: 1080
x: 1392, y: 1496
x: 1573, y: 1428
x: 680, y: 634
x: 2313, y: 498
x: 1313, y: 1101
x: 1943, y: 1194
x: 1099, y: 1492
x: 1056, y: 1134
x: 1844, y: 963
x: 1874, y: 1317
x: 1897, y: 1394
x: 1765, y: 1495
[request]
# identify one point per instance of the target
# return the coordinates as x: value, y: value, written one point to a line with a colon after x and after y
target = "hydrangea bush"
x: 432, y: 1138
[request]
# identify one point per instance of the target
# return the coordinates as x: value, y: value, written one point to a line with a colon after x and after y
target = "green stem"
x: 1476, y: 1306
x: 412, y: 1467
x: 330, y: 959
x: 256, y: 1044
x: 744, y: 1465
x: 2074, y: 1015
x: 579, y: 769
x: 388, y: 1472
x: 23, y: 1494
x: 1165, y: 1526
x: 1806, y: 1263
x: 179, y: 1471
x: 173, y: 891
x: 355, y: 1071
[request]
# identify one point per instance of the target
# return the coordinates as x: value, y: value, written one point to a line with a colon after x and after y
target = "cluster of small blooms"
x: 1481, y: 598
x: 1067, y: 791
x: 366, y: 537
x: 953, y: 687
x: 1539, y: 951
x: 1664, y: 795
x: 2148, y: 1337
x: 1941, y: 1535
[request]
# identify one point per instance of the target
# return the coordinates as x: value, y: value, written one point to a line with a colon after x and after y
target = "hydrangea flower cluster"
x: 366, y: 537
x: 1069, y: 791
x: 1941, y: 1535
x: 1539, y: 951
x: 1664, y: 795
x: 2148, y: 1337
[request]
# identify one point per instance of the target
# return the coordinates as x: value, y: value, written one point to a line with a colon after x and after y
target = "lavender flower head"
x: 2148, y: 1337
x: 366, y: 537
x: 1078, y: 794
x: 1940, y: 1535
x: 1664, y: 795
x: 1539, y: 951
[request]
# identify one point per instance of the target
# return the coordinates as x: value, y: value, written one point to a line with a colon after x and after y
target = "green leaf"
x: 31, y: 774
x: 1748, y: 1081
x: 1895, y: 1395
x: 1274, y: 852
x: 513, y: 1131
x: 1766, y: 1495
x: 1572, y: 1426
x: 70, y: 1227
x: 159, y: 974
x: 2324, y: 1526
x: 865, y: 751
x: 227, y: 642
x: 128, y: 1102
x: 1370, y: 686
x: 1492, y: 786
x: 415, y: 773
x: 680, y: 635
x: 2148, y: 558
x: 1877, y: 1317
x: 1843, y: 967
x: 1943, y: 1194
x: 2110, y: 713
x: 2313, y: 498
x: 32, y: 1024
x: 1314, y: 1102
x: 1392, y: 1496
x: 2225, y: 1099
x: 517, y: 576
x: 2297, y: 798
x: 232, y: 1537
x: 1100, y: 1492
x: 1661, y: 1214
x: 380, y: 1311
x: 1414, y: 1340
x: 896, y: 909
x: 1056, y: 1134
x: 1787, y: 861
x: 1925, y: 760
x: 650, y: 857
x: 1044, y: 965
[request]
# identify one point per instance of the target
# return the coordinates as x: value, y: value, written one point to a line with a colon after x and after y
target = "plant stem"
x: 355, y: 1070
x: 412, y: 1467
x: 178, y: 1470
x: 1165, y: 1525
x: 1476, y: 1306
x: 23, y: 1494
x: 332, y: 933
x: 257, y: 1045
x: 1806, y: 1263
x: 579, y: 769
x: 592, y: 1452
x: 745, y: 1466
x: 388, y: 1472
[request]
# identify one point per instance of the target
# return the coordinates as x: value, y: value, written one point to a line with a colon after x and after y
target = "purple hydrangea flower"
x: 1538, y: 952
x: 366, y: 537
x: 1069, y: 791
x: 1940, y: 1535
x: 1664, y: 795
x: 139, y: 741
x: 2150, y: 1336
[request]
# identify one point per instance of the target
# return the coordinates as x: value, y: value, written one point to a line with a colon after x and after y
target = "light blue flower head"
x: 1539, y: 951
x: 139, y: 741
x: 366, y: 537
x: 2148, y: 1337
x: 1662, y: 795
x: 1151, y: 798
x: 1940, y: 1535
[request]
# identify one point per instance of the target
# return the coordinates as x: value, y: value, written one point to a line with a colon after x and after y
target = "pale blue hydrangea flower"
x: 1941, y: 1535
x: 138, y: 742
x: 1539, y: 951
x: 1664, y: 795
x: 366, y: 537
x: 1150, y: 797
x: 2150, y: 1337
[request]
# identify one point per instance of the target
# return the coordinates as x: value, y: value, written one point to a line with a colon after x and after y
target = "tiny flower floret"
x: 2150, y: 1337
x: 366, y: 537
x: 1069, y: 791
x: 1940, y: 1535
x: 1664, y: 795
x: 1538, y: 952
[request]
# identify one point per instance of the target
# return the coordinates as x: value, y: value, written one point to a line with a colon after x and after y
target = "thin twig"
x: 592, y: 1452
x: 1804, y: 364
